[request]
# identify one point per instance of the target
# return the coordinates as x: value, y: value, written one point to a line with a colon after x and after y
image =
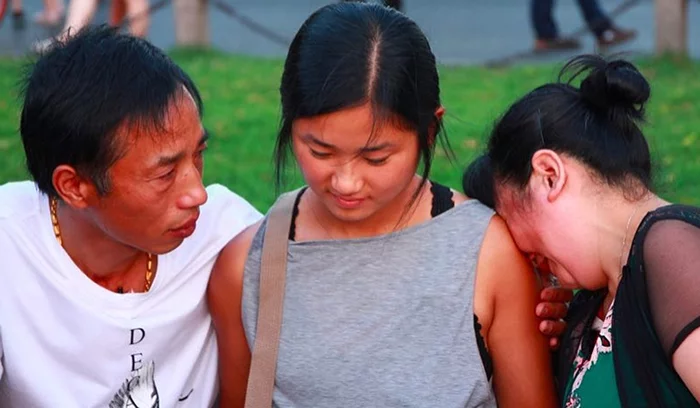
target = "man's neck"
x: 92, y: 250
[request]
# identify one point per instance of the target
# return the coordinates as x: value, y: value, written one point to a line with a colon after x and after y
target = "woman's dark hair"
x: 596, y: 123
x: 83, y: 90
x: 349, y: 54
x: 477, y: 181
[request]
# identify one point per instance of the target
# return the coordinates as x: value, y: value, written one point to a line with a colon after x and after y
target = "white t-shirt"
x: 67, y: 342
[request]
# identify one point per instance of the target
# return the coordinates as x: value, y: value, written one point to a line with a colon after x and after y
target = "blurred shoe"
x: 615, y: 36
x: 556, y: 44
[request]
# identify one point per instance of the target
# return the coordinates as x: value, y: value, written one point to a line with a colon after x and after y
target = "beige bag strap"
x: 273, y: 270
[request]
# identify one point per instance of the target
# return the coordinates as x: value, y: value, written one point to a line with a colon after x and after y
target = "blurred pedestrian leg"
x: 547, y: 35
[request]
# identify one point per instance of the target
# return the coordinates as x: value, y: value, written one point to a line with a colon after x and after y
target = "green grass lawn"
x: 242, y: 113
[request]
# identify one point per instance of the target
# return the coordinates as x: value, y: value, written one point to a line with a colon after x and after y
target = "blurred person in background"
x: 548, y: 37
x: 17, y: 8
x: 50, y: 15
x: 81, y: 12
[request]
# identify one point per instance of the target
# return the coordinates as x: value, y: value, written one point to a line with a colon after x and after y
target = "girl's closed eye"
x: 318, y: 154
x: 377, y: 161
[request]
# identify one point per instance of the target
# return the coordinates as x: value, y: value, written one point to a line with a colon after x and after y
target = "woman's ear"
x: 548, y: 173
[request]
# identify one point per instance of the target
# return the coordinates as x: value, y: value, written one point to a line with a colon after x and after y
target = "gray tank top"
x: 385, y: 321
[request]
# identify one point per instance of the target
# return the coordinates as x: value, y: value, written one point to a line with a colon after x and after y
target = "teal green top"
x: 592, y: 380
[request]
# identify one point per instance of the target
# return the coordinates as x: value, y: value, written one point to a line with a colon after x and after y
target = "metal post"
x: 672, y: 27
x: 191, y: 22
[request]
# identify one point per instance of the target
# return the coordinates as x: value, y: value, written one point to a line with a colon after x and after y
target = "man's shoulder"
x: 222, y: 217
x: 223, y: 205
x: 221, y: 196
x: 18, y: 199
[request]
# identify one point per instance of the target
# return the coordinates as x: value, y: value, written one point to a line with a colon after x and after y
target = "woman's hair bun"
x: 614, y: 84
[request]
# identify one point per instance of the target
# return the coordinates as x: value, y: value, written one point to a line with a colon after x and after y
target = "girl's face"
x: 355, y: 168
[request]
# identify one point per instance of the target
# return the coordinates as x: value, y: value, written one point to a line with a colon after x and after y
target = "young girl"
x: 399, y: 291
x: 572, y: 176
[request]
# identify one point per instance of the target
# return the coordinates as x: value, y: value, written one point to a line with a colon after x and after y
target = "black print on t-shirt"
x: 138, y: 391
x: 137, y: 336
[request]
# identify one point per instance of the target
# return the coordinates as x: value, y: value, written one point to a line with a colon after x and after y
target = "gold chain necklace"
x: 57, y: 233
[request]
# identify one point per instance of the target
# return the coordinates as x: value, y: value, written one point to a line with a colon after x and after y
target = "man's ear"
x: 548, y: 173
x: 72, y: 188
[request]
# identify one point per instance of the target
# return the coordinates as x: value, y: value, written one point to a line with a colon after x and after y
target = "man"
x: 108, y: 251
x: 547, y: 35
x: 102, y: 300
